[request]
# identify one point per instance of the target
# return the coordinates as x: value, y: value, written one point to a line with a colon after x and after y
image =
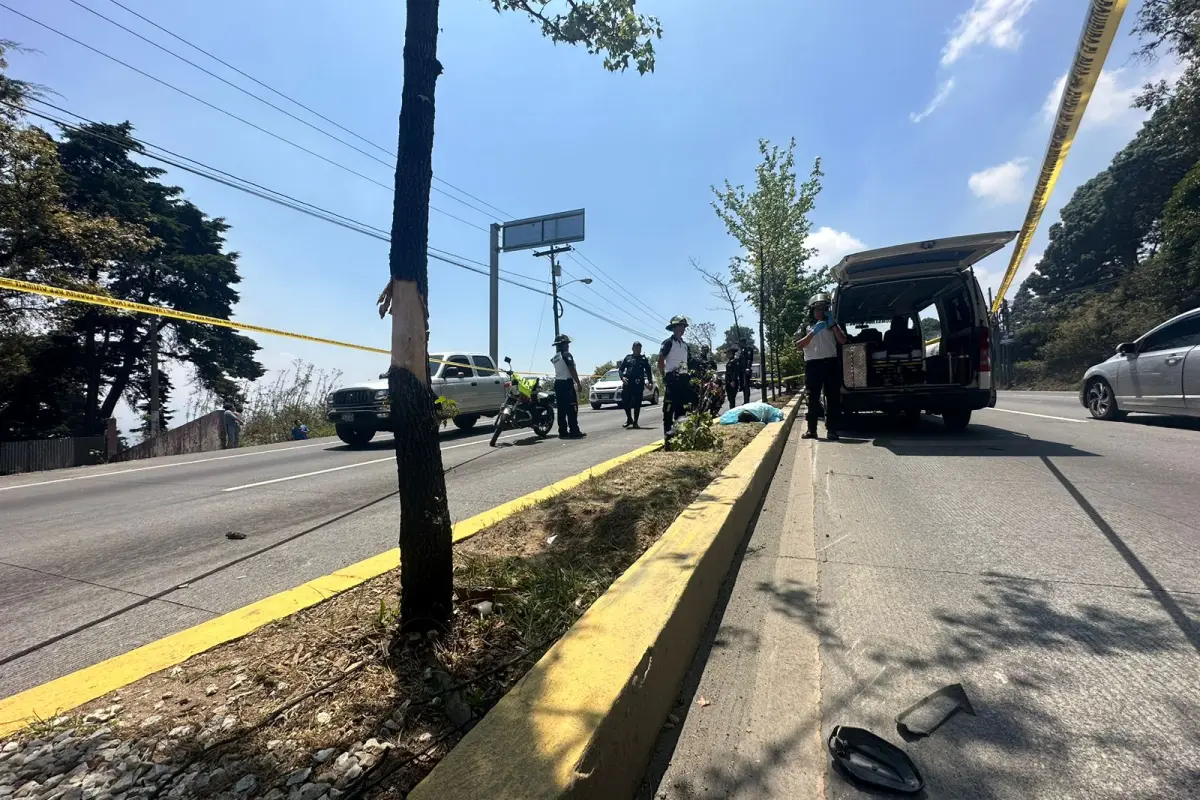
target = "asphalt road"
x: 1048, y: 562
x: 97, y: 561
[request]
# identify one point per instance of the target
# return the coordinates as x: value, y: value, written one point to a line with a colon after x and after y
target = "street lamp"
x: 554, y: 287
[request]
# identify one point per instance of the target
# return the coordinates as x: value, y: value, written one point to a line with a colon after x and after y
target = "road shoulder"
x: 749, y: 712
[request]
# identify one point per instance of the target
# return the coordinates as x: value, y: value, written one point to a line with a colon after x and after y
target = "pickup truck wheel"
x: 355, y: 437
x: 464, y: 422
x: 957, y: 419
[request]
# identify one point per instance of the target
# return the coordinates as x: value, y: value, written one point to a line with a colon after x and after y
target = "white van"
x: 880, y: 298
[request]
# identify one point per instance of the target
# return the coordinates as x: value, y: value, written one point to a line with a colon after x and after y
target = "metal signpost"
x: 526, y: 234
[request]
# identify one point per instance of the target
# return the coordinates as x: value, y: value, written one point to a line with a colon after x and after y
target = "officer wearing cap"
x: 822, y: 367
x: 673, y: 361
x: 635, y: 372
x: 566, y: 389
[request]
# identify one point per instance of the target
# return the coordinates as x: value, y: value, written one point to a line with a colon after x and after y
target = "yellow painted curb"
x: 70, y: 691
x: 582, y: 723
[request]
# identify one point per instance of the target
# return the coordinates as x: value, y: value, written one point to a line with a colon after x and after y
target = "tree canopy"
x: 82, y: 213
x: 1123, y: 255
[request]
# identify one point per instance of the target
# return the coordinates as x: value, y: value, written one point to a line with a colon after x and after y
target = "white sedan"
x: 607, y: 391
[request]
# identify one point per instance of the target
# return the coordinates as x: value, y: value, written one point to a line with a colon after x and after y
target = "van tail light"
x: 985, y: 350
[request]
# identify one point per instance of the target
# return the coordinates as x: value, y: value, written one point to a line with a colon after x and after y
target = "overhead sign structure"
x: 551, y: 229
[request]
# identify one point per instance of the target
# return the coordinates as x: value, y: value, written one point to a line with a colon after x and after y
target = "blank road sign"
x: 551, y: 229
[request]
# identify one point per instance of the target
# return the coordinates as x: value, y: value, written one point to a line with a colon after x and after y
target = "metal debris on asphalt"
x: 924, y: 716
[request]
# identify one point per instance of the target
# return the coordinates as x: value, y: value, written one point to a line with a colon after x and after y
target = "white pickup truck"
x: 469, y: 379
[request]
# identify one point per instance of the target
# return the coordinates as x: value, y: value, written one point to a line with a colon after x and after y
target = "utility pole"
x: 555, y: 272
x: 154, y: 410
x: 494, y: 296
x: 762, y: 339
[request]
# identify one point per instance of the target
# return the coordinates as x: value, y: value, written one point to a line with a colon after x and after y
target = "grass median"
x: 333, y: 702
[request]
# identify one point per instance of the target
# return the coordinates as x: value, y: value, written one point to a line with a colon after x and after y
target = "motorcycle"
x: 712, y: 395
x: 525, y: 406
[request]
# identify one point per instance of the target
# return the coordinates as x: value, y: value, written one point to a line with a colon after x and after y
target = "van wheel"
x: 1101, y: 403
x: 464, y: 422
x: 355, y: 437
x: 957, y: 420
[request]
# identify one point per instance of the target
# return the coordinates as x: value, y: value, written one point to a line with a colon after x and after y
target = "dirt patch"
x: 333, y: 702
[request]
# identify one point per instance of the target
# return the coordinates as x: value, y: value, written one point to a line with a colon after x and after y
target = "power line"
x: 227, y: 113
x: 620, y: 308
x: 391, y: 153
x: 294, y: 101
x: 284, y: 111
x: 228, y: 179
x: 604, y: 276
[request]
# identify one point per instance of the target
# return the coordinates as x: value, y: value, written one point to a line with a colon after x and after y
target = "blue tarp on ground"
x: 763, y: 412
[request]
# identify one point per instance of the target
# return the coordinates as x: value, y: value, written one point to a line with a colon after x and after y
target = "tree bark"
x: 426, y: 565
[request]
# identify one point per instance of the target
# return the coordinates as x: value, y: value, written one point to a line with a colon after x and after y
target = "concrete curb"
x: 82, y: 686
x: 583, y: 722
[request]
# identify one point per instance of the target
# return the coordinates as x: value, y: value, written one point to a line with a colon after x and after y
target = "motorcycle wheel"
x: 542, y: 429
x: 497, y: 427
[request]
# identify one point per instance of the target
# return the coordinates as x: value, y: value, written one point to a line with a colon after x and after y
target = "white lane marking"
x: 348, y: 466
x: 162, y: 466
x: 1031, y: 414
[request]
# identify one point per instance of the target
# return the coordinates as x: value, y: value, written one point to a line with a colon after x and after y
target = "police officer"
x: 733, y: 375
x: 673, y: 361
x: 746, y: 364
x: 566, y: 389
x: 822, y: 367
x: 635, y: 372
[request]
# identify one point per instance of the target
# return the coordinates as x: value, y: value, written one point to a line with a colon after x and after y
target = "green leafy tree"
x: 931, y: 328
x: 186, y: 267
x: 610, y: 28
x: 771, y: 223
x: 44, y: 240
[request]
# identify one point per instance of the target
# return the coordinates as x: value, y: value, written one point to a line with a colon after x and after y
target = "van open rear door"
x: 919, y: 259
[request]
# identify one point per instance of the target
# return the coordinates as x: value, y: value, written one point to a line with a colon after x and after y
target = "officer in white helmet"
x: 822, y: 367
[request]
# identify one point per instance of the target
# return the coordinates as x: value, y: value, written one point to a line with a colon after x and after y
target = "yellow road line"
x: 70, y: 691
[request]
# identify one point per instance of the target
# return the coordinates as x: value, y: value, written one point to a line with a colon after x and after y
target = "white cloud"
x: 942, y: 93
x: 988, y: 22
x: 832, y: 245
x: 1001, y: 183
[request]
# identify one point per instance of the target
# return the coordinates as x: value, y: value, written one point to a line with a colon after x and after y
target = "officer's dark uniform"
x: 746, y: 356
x: 635, y: 372
x: 733, y: 377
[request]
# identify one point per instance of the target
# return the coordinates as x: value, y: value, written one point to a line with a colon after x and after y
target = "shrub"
x: 696, y: 432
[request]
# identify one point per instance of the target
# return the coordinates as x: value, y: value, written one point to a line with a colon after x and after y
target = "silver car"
x: 1157, y: 374
x: 607, y: 390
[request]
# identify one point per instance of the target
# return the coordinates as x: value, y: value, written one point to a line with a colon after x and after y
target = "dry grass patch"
x: 337, y: 690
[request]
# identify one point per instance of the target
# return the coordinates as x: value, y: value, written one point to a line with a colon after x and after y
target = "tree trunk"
x: 426, y: 566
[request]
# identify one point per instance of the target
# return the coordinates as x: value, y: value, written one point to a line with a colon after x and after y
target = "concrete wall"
x: 198, y: 436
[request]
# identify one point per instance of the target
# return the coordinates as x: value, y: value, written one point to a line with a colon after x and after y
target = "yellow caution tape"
x: 1098, y: 32
x: 187, y: 316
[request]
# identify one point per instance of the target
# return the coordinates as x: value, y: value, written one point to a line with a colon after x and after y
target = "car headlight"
x: 381, y: 394
x: 329, y: 398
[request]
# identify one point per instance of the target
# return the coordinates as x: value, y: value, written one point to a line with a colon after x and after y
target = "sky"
x: 931, y: 119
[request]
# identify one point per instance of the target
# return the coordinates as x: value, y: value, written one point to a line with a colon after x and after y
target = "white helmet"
x: 818, y: 299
